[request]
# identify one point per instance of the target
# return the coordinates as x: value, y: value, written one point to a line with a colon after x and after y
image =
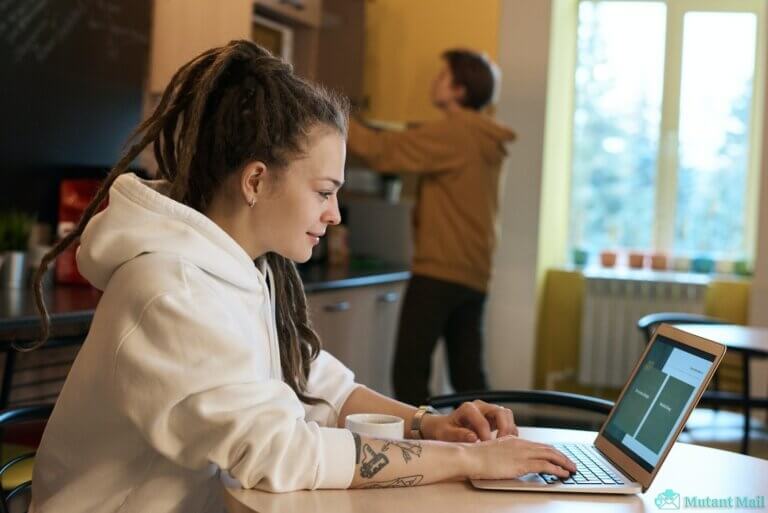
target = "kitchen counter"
x: 321, y: 278
x: 71, y: 307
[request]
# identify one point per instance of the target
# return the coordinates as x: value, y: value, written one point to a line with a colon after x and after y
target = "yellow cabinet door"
x: 404, y: 41
x: 182, y: 29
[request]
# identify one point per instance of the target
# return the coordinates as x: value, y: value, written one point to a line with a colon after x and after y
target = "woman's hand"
x: 511, y: 457
x: 470, y: 422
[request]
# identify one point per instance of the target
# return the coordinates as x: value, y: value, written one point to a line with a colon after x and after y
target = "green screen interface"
x: 655, y: 404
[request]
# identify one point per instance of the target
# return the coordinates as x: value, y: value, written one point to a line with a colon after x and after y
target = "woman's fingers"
x: 556, y: 457
x: 469, y: 415
x: 502, y: 419
x: 544, y: 466
x: 458, y: 434
x: 511, y: 457
x: 499, y: 418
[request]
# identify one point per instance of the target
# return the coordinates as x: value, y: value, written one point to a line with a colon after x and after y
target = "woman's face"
x: 301, y: 201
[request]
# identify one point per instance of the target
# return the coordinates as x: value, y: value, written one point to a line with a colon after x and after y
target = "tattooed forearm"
x: 396, y: 463
x: 409, y: 449
x: 372, y: 462
x: 357, y: 447
x: 400, y: 482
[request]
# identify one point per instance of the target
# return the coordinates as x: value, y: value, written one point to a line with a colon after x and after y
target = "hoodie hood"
x: 493, y: 134
x: 141, y: 218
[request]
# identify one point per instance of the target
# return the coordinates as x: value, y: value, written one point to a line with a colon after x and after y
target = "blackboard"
x: 72, y: 80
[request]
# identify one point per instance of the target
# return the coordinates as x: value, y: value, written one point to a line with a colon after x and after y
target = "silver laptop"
x: 652, y: 409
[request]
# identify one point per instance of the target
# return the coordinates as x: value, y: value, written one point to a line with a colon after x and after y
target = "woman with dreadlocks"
x: 201, y: 360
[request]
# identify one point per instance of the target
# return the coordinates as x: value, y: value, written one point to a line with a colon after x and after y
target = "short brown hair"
x: 476, y: 73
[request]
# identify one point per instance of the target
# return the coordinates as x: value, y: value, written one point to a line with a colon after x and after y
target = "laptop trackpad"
x: 531, y: 478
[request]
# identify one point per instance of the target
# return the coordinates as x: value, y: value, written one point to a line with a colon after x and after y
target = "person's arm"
x: 331, y: 381
x: 428, y: 148
x: 403, y: 463
x: 468, y: 423
x: 198, y: 392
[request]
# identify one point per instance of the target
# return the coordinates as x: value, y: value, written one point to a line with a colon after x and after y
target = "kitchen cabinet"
x: 305, y: 12
x: 403, y: 43
x: 359, y: 327
x: 341, y: 49
x: 182, y: 29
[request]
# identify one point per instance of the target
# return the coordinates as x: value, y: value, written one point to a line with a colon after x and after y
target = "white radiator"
x: 613, y: 303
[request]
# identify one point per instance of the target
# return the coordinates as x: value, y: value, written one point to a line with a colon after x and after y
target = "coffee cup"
x: 376, y: 425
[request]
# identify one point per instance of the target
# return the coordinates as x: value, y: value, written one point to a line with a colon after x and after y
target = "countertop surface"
x: 71, y: 307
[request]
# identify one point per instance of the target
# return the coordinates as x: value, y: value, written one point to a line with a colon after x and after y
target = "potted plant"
x: 15, y: 228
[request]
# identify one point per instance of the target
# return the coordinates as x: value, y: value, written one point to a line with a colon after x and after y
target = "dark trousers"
x: 433, y: 308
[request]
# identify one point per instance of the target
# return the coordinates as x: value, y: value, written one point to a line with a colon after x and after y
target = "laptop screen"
x: 653, y: 407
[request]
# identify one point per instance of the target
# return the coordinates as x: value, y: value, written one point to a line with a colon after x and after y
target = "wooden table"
x: 689, y: 470
x: 750, y: 342
x: 744, y: 339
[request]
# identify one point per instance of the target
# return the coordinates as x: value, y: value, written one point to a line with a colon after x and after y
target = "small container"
x: 742, y: 268
x: 338, y: 245
x: 580, y: 257
x: 608, y: 258
x: 724, y: 266
x: 659, y: 262
x: 703, y: 265
x: 13, y: 270
x: 636, y: 260
x: 393, y: 186
x: 681, y: 264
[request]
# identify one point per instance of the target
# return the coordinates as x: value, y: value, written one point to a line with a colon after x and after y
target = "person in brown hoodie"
x: 459, y: 160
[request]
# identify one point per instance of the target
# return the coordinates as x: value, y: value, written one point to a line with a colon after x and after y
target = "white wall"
x: 758, y: 314
x: 758, y: 304
x: 523, y: 58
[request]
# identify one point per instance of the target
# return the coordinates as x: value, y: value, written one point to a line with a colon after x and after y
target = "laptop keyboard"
x: 591, y: 468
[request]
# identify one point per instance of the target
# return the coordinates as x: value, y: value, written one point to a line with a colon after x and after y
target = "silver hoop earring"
x: 252, y: 202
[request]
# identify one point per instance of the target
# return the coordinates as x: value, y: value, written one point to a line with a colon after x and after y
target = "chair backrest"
x: 9, y: 417
x: 648, y: 324
x: 580, y: 402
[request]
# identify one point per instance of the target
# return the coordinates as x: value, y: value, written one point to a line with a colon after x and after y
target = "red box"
x: 74, y: 197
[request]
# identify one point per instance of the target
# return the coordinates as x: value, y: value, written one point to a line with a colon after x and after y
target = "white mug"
x: 375, y: 424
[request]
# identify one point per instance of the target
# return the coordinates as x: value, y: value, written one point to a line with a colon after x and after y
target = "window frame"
x: 563, y: 62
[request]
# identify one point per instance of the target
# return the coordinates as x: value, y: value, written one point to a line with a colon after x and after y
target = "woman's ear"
x: 252, y: 182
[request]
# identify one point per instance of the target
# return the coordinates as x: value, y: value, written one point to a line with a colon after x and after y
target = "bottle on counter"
x: 338, y: 245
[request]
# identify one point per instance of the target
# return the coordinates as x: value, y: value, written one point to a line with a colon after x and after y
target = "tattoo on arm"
x: 409, y: 449
x: 400, y: 482
x: 357, y: 447
x: 372, y: 462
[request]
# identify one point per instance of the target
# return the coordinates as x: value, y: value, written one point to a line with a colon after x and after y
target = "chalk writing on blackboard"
x: 32, y: 29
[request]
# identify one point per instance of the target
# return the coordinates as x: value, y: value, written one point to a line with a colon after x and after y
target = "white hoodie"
x: 180, y: 375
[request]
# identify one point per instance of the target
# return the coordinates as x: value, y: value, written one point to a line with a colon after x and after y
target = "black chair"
x: 584, y: 403
x: 10, y: 368
x: 713, y: 398
x: 649, y: 323
x: 13, y: 416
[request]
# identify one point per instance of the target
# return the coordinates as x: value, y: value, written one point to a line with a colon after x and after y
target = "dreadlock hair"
x: 225, y: 108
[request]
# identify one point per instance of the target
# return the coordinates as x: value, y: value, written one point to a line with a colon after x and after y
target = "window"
x: 663, y: 155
